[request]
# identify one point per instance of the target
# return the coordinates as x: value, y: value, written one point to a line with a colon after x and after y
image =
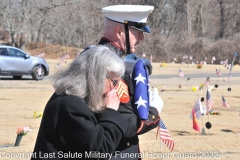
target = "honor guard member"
x: 124, y: 27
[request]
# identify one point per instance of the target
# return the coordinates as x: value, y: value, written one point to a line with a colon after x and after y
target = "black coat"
x: 69, y: 129
x: 129, y: 143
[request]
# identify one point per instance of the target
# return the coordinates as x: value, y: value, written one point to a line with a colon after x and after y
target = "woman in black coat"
x: 81, y: 120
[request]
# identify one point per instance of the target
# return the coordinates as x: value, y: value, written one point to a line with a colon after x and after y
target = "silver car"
x: 15, y: 62
x: 131, y: 59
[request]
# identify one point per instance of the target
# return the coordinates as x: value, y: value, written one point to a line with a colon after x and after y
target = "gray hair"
x: 85, y: 76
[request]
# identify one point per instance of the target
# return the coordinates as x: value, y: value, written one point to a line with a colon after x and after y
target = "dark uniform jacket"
x: 129, y: 143
x: 69, y: 129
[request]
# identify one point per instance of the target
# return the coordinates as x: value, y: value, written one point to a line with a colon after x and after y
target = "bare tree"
x: 15, y: 16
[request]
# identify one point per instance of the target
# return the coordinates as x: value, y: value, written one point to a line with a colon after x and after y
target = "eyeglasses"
x: 115, y: 82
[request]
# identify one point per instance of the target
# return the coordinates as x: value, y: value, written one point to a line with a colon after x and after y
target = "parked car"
x: 131, y: 59
x: 15, y: 62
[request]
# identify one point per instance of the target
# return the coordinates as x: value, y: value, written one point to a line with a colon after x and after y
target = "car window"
x: 3, y: 52
x: 16, y: 53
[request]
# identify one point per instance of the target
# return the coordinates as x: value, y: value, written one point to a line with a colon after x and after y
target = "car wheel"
x: 38, y: 73
x: 17, y: 77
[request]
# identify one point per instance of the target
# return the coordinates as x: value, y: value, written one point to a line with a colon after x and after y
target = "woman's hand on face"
x: 111, y: 100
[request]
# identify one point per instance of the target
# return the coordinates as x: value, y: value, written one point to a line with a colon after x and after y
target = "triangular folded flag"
x: 141, y: 88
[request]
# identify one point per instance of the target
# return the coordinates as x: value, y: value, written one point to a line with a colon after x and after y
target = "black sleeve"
x: 151, y: 123
x: 79, y: 130
x: 127, y: 113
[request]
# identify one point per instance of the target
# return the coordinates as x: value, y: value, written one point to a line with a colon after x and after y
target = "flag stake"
x: 208, y: 121
x: 160, y: 146
x: 203, y: 129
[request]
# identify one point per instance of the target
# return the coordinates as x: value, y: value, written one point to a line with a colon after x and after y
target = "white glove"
x: 155, y: 100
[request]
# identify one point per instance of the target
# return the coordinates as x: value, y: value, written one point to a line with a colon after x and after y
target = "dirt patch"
x: 51, y: 51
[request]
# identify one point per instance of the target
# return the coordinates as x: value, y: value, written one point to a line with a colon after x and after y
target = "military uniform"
x: 129, y: 143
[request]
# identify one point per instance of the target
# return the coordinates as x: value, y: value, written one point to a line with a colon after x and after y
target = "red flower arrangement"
x: 199, y: 66
x: 23, y: 130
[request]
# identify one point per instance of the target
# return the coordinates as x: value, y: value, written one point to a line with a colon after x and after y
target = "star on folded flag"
x: 141, y: 102
x: 139, y: 78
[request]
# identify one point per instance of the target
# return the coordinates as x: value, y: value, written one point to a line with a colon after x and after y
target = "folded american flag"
x: 141, y: 87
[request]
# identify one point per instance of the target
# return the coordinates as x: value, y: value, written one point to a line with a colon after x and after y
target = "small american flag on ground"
x: 165, y: 135
x: 207, y: 81
x: 225, y: 62
x: 214, y: 58
x: 224, y: 102
x: 58, y: 65
x: 67, y: 56
x: 209, y: 102
x: 218, y: 72
x: 229, y: 76
x: 180, y: 73
x: 229, y: 66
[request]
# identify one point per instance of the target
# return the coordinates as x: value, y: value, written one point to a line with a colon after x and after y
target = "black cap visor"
x: 144, y: 29
x: 136, y: 25
x: 139, y: 26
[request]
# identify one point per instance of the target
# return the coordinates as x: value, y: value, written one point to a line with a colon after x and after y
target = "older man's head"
x: 125, y: 24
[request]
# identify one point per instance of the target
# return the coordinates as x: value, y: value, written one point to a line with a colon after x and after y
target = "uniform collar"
x: 106, y: 41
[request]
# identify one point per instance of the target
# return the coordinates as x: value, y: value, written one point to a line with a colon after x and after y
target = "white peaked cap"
x: 133, y: 13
